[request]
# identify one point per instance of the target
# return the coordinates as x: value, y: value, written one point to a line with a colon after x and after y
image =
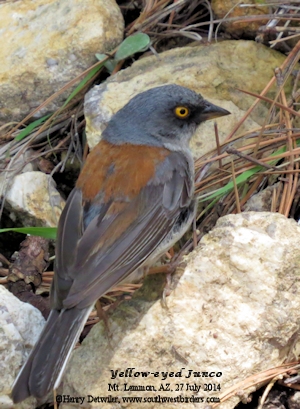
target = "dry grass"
x: 272, y: 153
x: 257, y: 380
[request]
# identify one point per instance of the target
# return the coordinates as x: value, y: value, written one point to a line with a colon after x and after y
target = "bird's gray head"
x: 166, y: 115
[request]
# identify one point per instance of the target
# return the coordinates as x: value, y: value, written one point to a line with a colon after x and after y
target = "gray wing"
x: 121, y: 236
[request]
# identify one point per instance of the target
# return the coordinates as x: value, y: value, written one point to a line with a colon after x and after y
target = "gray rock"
x: 294, y: 401
x: 46, y: 43
x: 261, y: 201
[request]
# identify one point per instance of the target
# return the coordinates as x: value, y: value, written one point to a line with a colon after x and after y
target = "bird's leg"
x: 101, y: 314
x: 167, y: 289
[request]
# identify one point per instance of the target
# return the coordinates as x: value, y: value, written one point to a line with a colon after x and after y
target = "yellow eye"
x: 182, y: 112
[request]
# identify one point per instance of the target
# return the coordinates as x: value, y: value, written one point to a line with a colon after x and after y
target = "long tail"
x: 46, y: 363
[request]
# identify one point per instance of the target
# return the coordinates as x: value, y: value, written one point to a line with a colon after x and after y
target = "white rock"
x: 234, y: 310
x: 20, y: 326
x: 34, y: 199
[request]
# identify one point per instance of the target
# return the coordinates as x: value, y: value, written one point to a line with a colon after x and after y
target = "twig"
x: 238, y: 206
x: 284, y: 107
x: 287, y: 62
x: 218, y: 143
x: 249, y: 158
x: 267, y: 390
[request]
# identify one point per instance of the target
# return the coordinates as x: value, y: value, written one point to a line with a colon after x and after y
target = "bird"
x: 134, y: 198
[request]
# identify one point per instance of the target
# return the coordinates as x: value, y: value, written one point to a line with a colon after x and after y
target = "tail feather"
x: 46, y: 363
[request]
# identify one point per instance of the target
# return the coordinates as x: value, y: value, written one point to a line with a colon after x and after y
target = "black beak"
x: 211, y: 111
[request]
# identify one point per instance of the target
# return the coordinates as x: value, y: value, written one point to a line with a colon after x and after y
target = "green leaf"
x: 100, y: 56
x: 29, y: 128
x: 109, y: 64
x: 241, y: 178
x: 46, y: 232
x: 227, y: 188
x: 82, y: 83
x: 131, y: 45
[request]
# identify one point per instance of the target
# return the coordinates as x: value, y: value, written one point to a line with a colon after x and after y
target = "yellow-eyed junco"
x: 133, y: 200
